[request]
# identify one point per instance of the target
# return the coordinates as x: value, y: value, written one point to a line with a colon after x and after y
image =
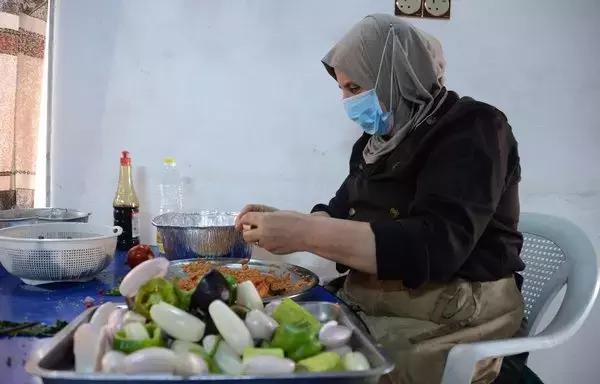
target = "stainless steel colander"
x: 53, y: 252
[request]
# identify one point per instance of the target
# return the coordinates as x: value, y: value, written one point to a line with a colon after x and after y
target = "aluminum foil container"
x: 205, y: 235
x: 24, y: 216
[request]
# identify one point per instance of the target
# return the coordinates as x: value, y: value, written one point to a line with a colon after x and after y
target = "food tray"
x: 204, y: 235
x: 53, y: 362
x: 277, y: 268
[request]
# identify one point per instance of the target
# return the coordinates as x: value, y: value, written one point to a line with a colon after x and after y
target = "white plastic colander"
x: 55, y: 252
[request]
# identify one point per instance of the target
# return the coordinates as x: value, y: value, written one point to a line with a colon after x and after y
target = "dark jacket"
x: 445, y: 202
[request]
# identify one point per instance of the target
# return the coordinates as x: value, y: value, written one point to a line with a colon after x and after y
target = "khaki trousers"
x: 417, y: 328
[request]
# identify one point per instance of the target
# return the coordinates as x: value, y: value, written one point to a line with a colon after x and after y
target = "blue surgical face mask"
x: 365, y: 110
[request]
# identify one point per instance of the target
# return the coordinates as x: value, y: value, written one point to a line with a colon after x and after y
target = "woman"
x: 426, y: 220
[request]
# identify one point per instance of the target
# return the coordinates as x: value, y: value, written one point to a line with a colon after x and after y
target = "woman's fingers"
x: 246, y: 209
x: 251, y: 219
x: 251, y: 236
x: 251, y: 208
x: 251, y: 228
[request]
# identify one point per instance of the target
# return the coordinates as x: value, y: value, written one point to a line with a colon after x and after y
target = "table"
x: 62, y: 301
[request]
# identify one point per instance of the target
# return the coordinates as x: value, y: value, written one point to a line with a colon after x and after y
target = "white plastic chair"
x: 557, y: 253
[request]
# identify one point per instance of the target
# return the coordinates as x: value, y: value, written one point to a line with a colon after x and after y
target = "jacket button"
x: 352, y: 212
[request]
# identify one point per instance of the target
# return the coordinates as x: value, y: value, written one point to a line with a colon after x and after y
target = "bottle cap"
x: 169, y: 161
x: 125, y: 159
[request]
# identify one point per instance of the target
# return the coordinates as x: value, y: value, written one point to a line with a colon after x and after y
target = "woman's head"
x: 412, y: 64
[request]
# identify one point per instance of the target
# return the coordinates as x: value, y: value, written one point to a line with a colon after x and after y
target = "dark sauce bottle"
x: 126, y: 207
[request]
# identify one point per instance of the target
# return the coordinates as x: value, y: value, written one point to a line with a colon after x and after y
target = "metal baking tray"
x: 277, y: 268
x: 54, y: 361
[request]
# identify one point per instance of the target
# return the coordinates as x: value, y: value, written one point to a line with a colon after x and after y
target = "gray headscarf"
x: 416, y: 76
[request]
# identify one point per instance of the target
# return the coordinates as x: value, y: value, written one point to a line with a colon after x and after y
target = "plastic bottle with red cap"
x: 126, y: 206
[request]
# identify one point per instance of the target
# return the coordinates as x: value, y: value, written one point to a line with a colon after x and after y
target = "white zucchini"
x: 334, y: 336
x: 231, y: 328
x: 145, y: 271
x: 342, y: 351
x: 182, y: 347
x: 260, y: 325
x: 328, y: 324
x: 209, y: 343
x: 150, y: 360
x: 133, y: 317
x: 89, y: 346
x: 115, y: 323
x: 248, y: 296
x: 268, y: 365
x: 102, y: 314
x: 113, y: 362
x: 136, y: 331
x: 355, y: 361
x: 190, y: 364
x: 228, y: 359
x: 176, y: 322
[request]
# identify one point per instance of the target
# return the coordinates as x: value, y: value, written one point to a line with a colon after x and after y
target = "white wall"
x: 236, y: 91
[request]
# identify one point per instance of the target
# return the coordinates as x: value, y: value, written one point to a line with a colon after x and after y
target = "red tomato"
x: 139, y: 254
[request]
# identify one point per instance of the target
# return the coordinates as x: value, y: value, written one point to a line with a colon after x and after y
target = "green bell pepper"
x: 232, y: 285
x: 123, y: 344
x: 184, y: 297
x: 323, y: 362
x: 153, y: 292
x: 288, y: 311
x: 251, y: 352
x: 298, y: 340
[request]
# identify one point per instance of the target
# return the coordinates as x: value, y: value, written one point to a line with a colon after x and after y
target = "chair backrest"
x: 544, y: 275
x: 557, y: 253
x: 554, y: 250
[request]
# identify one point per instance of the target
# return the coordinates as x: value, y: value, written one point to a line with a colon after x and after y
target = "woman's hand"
x: 279, y: 232
x: 343, y: 241
x: 252, y: 208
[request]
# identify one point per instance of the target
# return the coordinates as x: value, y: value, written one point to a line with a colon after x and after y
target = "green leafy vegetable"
x: 30, y: 329
x: 114, y: 291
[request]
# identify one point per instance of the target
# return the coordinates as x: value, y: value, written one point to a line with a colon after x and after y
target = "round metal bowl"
x: 296, y: 273
x: 23, y: 216
x: 205, y: 235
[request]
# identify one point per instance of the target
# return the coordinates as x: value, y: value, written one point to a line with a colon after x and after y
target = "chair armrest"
x: 462, y: 359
